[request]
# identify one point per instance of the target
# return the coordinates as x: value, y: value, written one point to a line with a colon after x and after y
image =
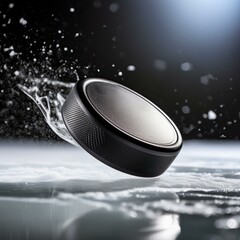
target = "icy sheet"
x: 202, y: 187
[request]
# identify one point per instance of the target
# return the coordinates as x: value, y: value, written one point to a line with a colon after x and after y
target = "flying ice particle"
x: 12, y: 53
x: 160, y: 64
x: 186, y: 66
x: 186, y: 109
x: 120, y: 74
x: 72, y: 10
x: 8, y: 49
x: 114, y: 7
x: 16, y: 73
x: 11, y: 5
x: 23, y: 21
x: 131, y: 68
x: 205, y: 79
x: 212, y: 115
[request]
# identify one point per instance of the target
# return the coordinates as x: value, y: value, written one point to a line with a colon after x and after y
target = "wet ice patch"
x: 204, y: 180
x: 199, y: 166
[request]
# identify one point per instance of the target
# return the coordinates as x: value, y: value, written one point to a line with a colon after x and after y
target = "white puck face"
x: 131, y: 113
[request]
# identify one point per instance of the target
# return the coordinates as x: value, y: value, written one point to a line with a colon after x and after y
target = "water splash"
x: 49, y: 95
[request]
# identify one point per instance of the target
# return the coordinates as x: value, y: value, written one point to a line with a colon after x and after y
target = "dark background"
x: 186, y: 56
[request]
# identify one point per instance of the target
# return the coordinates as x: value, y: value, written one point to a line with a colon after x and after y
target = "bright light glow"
x: 206, y: 11
x: 205, y: 18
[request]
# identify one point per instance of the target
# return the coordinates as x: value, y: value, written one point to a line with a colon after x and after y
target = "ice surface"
x: 199, y: 166
x: 203, y: 182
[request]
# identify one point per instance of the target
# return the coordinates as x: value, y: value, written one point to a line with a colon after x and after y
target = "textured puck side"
x: 80, y: 125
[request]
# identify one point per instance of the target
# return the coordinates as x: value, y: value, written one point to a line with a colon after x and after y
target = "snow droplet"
x: 131, y: 68
x: 72, y: 10
x: 160, y: 64
x: 120, y: 74
x: 8, y: 49
x: 186, y: 66
x: 114, y: 7
x: 185, y: 109
x: 12, y: 53
x: 16, y: 73
x: 205, y: 79
x: 11, y: 5
x: 23, y: 21
x: 205, y: 116
x: 211, y: 115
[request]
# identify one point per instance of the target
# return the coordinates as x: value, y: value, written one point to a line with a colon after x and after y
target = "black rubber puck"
x: 121, y: 128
